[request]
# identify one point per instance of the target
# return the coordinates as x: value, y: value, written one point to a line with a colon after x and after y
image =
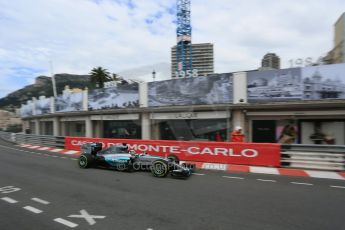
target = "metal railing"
x: 321, y: 157
x: 41, y: 140
x: 6, y: 136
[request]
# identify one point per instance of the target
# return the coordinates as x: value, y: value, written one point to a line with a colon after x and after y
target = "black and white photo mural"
x: 324, y: 82
x: 69, y: 102
x: 27, y: 110
x: 275, y: 85
x: 42, y: 105
x: 119, y: 96
x: 213, y: 89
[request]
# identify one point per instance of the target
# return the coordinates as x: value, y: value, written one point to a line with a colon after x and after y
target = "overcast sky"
x: 77, y: 35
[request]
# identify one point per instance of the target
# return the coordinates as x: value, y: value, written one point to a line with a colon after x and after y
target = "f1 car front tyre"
x: 159, y: 168
x: 85, y: 161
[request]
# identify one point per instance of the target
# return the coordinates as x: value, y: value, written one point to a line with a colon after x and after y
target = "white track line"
x: 198, y: 174
x: 298, y: 183
x: 66, y: 222
x: 9, y: 200
x: 32, y: 209
x: 40, y: 200
x: 333, y: 186
x: 266, y: 180
x: 233, y: 177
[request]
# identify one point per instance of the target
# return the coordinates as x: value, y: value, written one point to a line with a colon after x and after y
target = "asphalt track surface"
x: 41, y: 190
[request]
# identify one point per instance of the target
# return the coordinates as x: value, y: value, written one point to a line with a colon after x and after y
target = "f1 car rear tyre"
x: 85, y: 161
x: 159, y: 168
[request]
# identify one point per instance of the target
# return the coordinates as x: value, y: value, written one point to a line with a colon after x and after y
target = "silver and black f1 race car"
x: 120, y: 158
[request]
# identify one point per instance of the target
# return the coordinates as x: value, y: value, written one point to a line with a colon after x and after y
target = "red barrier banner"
x: 261, y: 154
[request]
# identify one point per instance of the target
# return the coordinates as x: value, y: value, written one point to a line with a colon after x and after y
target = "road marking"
x: 9, y: 200
x: 47, y: 155
x: 198, y: 174
x: 301, y: 183
x: 73, y: 159
x: 9, y: 189
x: 54, y: 156
x: 66, y: 222
x: 63, y: 157
x: 89, y: 218
x: 39, y: 153
x: 233, y: 177
x: 266, y: 180
x: 32, y: 209
x: 333, y: 186
x: 40, y: 200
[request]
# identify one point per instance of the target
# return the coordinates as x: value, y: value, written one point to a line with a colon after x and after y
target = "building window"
x: 201, y: 130
x: 122, y: 129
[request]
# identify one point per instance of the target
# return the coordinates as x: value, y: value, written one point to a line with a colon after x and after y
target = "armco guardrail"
x: 322, y: 157
x: 41, y: 140
x: 6, y: 136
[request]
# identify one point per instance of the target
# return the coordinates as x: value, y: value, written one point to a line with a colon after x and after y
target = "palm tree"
x: 99, y: 76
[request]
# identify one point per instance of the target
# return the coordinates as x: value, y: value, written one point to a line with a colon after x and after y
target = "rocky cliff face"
x: 43, y: 87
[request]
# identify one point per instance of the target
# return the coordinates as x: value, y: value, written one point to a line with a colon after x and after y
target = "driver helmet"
x: 125, y: 147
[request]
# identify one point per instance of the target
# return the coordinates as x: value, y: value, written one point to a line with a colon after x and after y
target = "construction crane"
x: 184, y: 39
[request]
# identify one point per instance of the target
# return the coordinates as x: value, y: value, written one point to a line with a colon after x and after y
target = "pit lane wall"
x: 256, y: 154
